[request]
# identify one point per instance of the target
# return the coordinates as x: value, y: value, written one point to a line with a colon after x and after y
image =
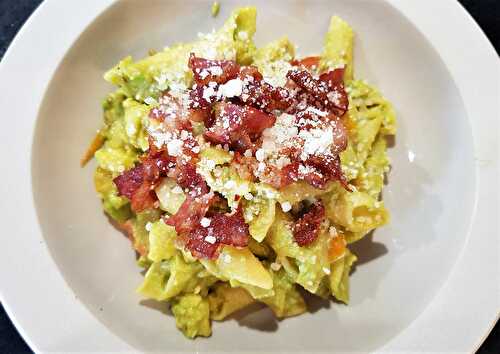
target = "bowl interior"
x: 402, y: 266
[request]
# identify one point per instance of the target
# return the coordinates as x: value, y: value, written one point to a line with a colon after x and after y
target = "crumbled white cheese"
x: 260, y: 155
x: 215, y: 70
x: 275, y: 72
x: 334, y: 97
x: 316, y: 141
x: 205, y: 222
x: 316, y: 111
x: 210, y: 239
x: 248, y: 196
x: 232, y: 88
x: 208, y: 93
x: 286, y: 206
x: 174, y: 147
x: 326, y: 270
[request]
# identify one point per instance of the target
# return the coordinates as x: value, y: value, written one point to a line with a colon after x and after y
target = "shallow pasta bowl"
x: 426, y: 282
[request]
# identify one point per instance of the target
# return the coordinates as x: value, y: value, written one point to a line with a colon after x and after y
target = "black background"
x: 13, y: 13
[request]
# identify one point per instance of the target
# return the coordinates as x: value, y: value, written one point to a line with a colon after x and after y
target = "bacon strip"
x: 138, y: 183
x: 307, y: 62
x: 130, y: 181
x: 190, y: 213
x: 219, y: 71
x: 261, y: 94
x: 237, y: 125
x: 133, y: 185
x: 306, y: 229
x: 224, y: 229
x: 328, y: 90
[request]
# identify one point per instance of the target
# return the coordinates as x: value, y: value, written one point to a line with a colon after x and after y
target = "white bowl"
x: 427, y: 282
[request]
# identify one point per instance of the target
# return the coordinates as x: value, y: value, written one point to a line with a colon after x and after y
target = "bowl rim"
x: 22, y: 279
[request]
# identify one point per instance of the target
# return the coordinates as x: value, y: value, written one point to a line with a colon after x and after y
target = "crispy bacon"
x: 340, y: 135
x: 264, y: 96
x: 157, y: 165
x: 319, y: 170
x: 144, y: 198
x: 307, y: 62
x: 224, y: 229
x: 190, y: 213
x: 129, y: 181
x: 328, y: 90
x: 237, y: 125
x: 196, y: 244
x: 138, y: 183
x: 338, y: 96
x: 199, y: 115
x: 256, y: 92
x: 133, y: 185
x: 187, y: 177
x: 326, y: 168
x: 196, y: 99
x: 306, y: 229
x: 289, y: 174
x: 219, y: 71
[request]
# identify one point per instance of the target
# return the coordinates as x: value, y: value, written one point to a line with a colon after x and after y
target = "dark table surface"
x: 13, y: 13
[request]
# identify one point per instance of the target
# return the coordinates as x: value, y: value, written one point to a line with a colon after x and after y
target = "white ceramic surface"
x: 427, y: 282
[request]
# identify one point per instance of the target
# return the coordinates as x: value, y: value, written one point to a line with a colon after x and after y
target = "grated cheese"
x: 205, y: 222
x: 232, y: 88
x: 210, y: 239
x: 174, y: 147
x: 286, y: 206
